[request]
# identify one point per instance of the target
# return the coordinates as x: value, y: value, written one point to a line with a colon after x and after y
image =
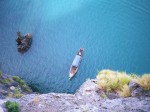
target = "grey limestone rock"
x: 86, y: 99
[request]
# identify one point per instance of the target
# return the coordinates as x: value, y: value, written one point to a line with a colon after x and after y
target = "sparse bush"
x: 19, y: 80
x: 9, y: 79
x: 17, y: 93
x: 22, y: 84
x: 0, y: 73
x: 12, y: 106
x: 5, y: 81
x: 26, y: 89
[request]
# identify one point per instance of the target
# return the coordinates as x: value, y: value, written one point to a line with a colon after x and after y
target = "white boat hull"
x: 75, y: 65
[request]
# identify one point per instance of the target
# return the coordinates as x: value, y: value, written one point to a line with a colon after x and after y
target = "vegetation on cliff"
x: 12, y: 106
x: 144, y: 81
x: 89, y: 97
x: 12, y: 86
x: 118, y: 82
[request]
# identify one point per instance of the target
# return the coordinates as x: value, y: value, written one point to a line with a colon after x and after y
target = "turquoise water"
x: 114, y: 33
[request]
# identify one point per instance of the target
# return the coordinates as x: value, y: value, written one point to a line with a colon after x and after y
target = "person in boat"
x: 79, y: 53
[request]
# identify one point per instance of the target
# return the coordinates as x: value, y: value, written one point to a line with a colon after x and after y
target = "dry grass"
x: 9, y: 95
x: 36, y: 100
x: 144, y: 81
x: 125, y: 92
x: 110, y: 81
x: 18, y: 95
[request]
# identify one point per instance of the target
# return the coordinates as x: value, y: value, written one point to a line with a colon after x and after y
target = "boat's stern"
x: 70, y: 75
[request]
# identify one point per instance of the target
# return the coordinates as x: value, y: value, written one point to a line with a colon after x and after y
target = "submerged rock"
x: 23, y: 42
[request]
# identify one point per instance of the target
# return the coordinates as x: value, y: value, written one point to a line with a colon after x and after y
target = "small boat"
x: 75, y: 64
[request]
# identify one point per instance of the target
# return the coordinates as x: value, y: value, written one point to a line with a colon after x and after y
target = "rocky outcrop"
x: 23, y: 42
x: 86, y: 99
x: 12, y: 86
x: 137, y: 91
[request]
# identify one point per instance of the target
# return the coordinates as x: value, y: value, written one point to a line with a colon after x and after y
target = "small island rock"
x: 23, y: 42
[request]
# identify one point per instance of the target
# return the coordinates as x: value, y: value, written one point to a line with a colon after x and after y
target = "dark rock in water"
x: 23, y: 42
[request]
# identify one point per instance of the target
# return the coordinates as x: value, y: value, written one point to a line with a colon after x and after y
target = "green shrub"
x: 9, y: 79
x: 6, y: 81
x: 0, y: 73
x: 17, y: 93
x: 12, y: 106
x: 26, y: 88
x: 19, y: 80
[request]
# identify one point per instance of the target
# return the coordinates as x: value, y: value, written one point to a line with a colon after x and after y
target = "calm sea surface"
x: 114, y: 33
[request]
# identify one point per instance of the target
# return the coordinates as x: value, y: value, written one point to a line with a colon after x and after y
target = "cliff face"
x: 89, y: 98
x: 86, y: 99
x: 12, y: 87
